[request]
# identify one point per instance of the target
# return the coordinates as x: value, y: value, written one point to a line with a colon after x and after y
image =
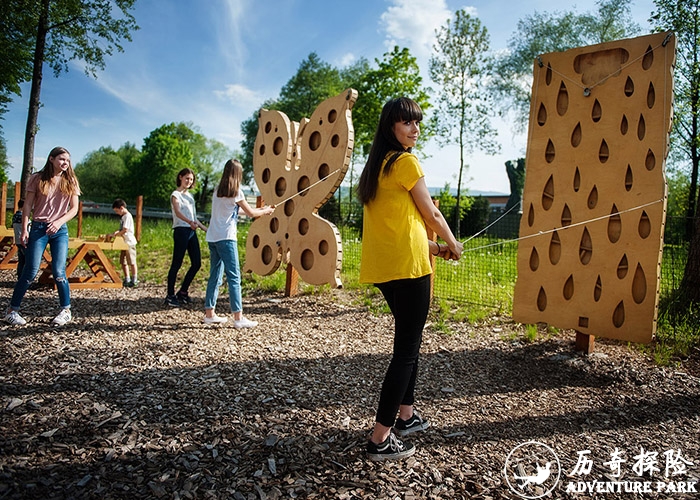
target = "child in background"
x: 127, y: 258
x: 17, y: 226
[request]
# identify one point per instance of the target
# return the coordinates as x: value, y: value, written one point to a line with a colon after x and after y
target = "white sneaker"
x: 13, y: 318
x: 215, y: 319
x: 63, y: 317
x: 244, y: 323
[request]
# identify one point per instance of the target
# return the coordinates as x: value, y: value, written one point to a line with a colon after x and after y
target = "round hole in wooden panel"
x: 332, y: 115
x: 323, y: 170
x: 598, y: 289
x: 289, y: 208
x: 548, y: 193
x: 550, y: 152
x: 618, y: 317
x: 592, y: 198
x: 644, y: 226
x: 562, y: 100
x: 597, y: 111
x: 650, y: 160
x: 542, y: 300
x: 303, y: 226
x: 641, y: 128
x: 303, y: 184
x: 629, y: 178
x: 639, y: 285
x: 576, y: 135
x: 624, y: 125
x: 554, y: 249
x: 315, y: 140
x: 648, y: 58
x: 307, y: 259
x: 261, y: 150
x: 622, y: 267
x: 585, y: 249
x: 280, y: 186
x: 531, y: 216
x: 274, y: 225
x: 266, y: 175
x: 629, y: 87
x: 651, y: 96
x: 268, y: 127
x: 604, y: 152
x: 323, y: 247
x: 335, y: 140
x: 541, y: 115
x: 569, y: 287
x: 277, y: 146
x: 256, y: 241
x: 614, y: 225
x: 266, y: 254
x: 534, y: 259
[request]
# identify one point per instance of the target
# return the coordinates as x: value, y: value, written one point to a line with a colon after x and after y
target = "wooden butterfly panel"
x: 594, y: 201
x: 298, y: 167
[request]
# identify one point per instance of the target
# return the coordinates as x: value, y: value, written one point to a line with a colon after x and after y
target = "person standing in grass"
x: 185, y: 241
x: 222, y: 238
x: 395, y: 258
x: 127, y: 258
x: 52, y: 200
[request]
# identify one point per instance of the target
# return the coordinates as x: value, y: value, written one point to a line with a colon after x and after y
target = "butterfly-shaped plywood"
x: 298, y: 167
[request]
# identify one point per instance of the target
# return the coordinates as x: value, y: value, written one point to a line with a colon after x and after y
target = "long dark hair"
x: 396, y: 110
x: 231, y: 178
x: 183, y: 173
x: 69, y: 182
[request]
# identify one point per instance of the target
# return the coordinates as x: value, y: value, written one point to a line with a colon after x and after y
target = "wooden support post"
x: 80, y: 220
x: 432, y: 236
x: 584, y: 342
x: 291, y: 284
x: 18, y: 195
x: 3, y: 197
x: 139, y: 217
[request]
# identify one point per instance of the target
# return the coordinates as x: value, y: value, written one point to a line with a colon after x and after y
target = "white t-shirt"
x: 127, y: 222
x: 224, y: 218
x: 187, y: 207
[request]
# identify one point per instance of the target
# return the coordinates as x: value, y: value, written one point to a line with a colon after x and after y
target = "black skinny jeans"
x: 185, y: 241
x: 409, y: 301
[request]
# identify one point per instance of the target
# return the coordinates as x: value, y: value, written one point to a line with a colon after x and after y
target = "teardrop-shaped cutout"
x: 614, y: 225
x: 644, y: 226
x: 548, y: 193
x: 650, y: 160
x: 531, y: 216
x: 629, y: 178
x: 622, y: 267
x: 624, y: 126
x: 651, y: 96
x: 585, y: 251
x: 569, y: 287
x: 542, y: 300
x: 618, y: 317
x: 534, y: 259
x: 629, y: 87
x: 562, y: 100
x: 639, y: 285
x: 597, y: 112
x: 648, y: 58
x: 641, y: 128
x: 598, y: 290
x: 604, y: 152
x: 549, y: 153
x: 593, y: 198
x: 577, y: 180
x: 542, y: 115
x: 566, y: 215
x: 576, y: 135
x: 548, y: 74
x: 554, y: 249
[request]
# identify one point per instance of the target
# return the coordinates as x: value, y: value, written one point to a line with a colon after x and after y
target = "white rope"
x: 306, y: 188
x: 494, y: 222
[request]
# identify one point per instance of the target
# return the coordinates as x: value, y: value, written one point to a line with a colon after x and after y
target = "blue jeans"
x: 38, y: 240
x: 224, y: 257
x: 184, y: 241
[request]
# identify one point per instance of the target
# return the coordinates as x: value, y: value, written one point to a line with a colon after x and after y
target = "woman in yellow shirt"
x: 395, y: 258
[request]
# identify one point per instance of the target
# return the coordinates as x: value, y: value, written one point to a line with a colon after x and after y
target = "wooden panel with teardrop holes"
x: 595, y: 190
x: 298, y: 167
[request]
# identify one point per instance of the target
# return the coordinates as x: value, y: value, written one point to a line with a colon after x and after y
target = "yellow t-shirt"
x: 394, y: 241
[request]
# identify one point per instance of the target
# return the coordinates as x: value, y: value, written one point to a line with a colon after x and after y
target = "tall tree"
x: 461, y: 67
x: 544, y: 32
x: 102, y: 175
x: 63, y: 30
x: 209, y: 162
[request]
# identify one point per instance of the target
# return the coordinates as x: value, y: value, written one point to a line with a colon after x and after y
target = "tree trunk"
x: 690, y: 285
x: 34, y: 95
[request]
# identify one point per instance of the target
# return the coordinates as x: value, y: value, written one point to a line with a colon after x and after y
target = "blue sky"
x: 214, y: 62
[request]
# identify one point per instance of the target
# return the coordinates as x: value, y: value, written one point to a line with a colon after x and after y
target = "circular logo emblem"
x: 532, y: 470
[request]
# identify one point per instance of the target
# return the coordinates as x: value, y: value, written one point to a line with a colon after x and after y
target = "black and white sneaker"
x: 391, y: 449
x: 414, y: 424
x: 183, y: 298
x: 172, y: 301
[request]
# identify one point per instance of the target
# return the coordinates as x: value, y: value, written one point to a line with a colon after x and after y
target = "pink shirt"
x: 50, y: 207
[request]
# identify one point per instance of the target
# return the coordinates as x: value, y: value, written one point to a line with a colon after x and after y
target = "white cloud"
x: 240, y: 96
x: 230, y: 38
x: 346, y: 60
